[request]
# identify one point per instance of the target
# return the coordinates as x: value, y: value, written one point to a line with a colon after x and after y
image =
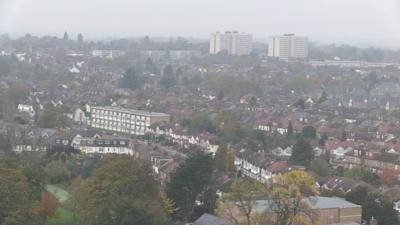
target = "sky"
x: 357, y: 22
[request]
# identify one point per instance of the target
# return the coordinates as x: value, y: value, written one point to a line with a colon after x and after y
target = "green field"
x: 58, y: 192
x: 65, y: 217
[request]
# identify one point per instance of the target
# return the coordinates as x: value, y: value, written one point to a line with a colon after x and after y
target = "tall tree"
x: 323, y: 97
x: 302, y: 152
x: 286, y: 194
x: 309, y: 132
x: 190, y: 184
x: 16, y: 204
x: 242, y: 198
x: 65, y: 36
x: 80, y: 38
x: 290, y: 129
x: 48, y: 206
x: 121, y: 191
x: 168, y: 79
x: 131, y: 80
x: 221, y: 158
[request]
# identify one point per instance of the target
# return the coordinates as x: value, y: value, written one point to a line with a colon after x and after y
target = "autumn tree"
x: 16, y: 204
x: 48, y: 206
x: 242, y: 198
x: 389, y: 177
x: 121, y: 191
x: 286, y: 194
x: 221, y: 158
x: 193, y: 182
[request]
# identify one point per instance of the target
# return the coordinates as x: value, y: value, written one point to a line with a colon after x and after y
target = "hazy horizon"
x: 358, y: 22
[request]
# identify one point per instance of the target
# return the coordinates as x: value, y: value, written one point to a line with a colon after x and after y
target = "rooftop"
x: 131, y: 111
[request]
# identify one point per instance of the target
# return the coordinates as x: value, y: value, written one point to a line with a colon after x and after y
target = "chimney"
x: 373, y: 221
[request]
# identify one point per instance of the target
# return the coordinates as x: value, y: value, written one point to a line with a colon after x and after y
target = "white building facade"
x: 288, y: 46
x: 127, y: 121
x: 235, y: 43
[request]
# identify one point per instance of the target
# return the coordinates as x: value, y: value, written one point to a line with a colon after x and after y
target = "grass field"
x: 65, y: 217
x: 58, y: 192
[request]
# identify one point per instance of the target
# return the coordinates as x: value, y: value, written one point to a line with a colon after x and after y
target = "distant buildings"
x: 288, y: 46
x: 126, y: 121
x: 109, y: 54
x: 235, y: 43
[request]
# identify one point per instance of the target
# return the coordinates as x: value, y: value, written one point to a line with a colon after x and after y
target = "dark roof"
x: 208, y: 219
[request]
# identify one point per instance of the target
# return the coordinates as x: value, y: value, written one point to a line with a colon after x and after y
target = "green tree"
x: 121, y: 191
x: 302, y: 152
x: 190, y: 184
x: 52, y: 117
x: 309, y: 132
x: 131, y: 80
x: 321, y: 167
x: 290, y: 129
x: 221, y: 158
x: 300, y: 103
x: 203, y: 122
x: 57, y: 172
x: 363, y: 174
x: 323, y: 139
x: 168, y: 79
x: 323, y: 97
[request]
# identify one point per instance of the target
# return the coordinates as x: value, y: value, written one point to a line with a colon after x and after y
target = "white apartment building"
x: 127, y: 121
x: 109, y: 54
x: 288, y: 46
x: 235, y: 43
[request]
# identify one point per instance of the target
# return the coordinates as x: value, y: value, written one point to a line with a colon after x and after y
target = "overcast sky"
x: 366, y: 22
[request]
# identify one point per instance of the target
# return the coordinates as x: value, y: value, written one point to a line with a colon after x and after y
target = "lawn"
x: 65, y: 217
x: 58, y: 192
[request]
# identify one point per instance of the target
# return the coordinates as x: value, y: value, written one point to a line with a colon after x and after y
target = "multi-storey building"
x: 127, y: 121
x: 235, y: 43
x: 288, y: 46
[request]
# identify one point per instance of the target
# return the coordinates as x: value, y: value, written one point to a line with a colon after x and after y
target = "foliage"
x: 374, y: 205
x: 121, y: 191
x: 290, y: 129
x: 52, y: 117
x: 321, y: 167
x: 300, y: 103
x: 298, y: 83
x: 323, y: 139
x: 168, y: 80
x: 203, y: 122
x: 302, y: 152
x: 190, y: 183
x: 389, y: 177
x: 48, y: 206
x: 57, y: 172
x: 286, y: 194
x: 223, y: 160
x: 309, y: 132
x: 363, y: 174
x: 131, y: 80
x: 242, y: 197
x: 16, y: 204
x: 232, y: 86
x: 323, y: 97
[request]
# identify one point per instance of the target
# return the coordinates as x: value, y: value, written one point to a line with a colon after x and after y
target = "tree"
x: 323, y: 97
x: 80, y: 38
x: 150, y: 66
x: 52, y: 117
x: 286, y: 194
x: 48, y: 206
x: 290, y: 129
x: 253, y: 102
x: 300, y: 103
x: 321, y: 167
x: 323, y: 139
x: 242, y: 197
x: 203, y: 122
x: 190, y: 184
x: 121, y: 191
x: 309, y: 132
x: 168, y: 79
x: 344, y: 136
x: 373, y: 205
x: 363, y: 174
x: 302, y: 152
x: 221, y: 158
x: 65, y: 36
x: 131, y: 80
x: 57, y: 172
x: 16, y: 206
